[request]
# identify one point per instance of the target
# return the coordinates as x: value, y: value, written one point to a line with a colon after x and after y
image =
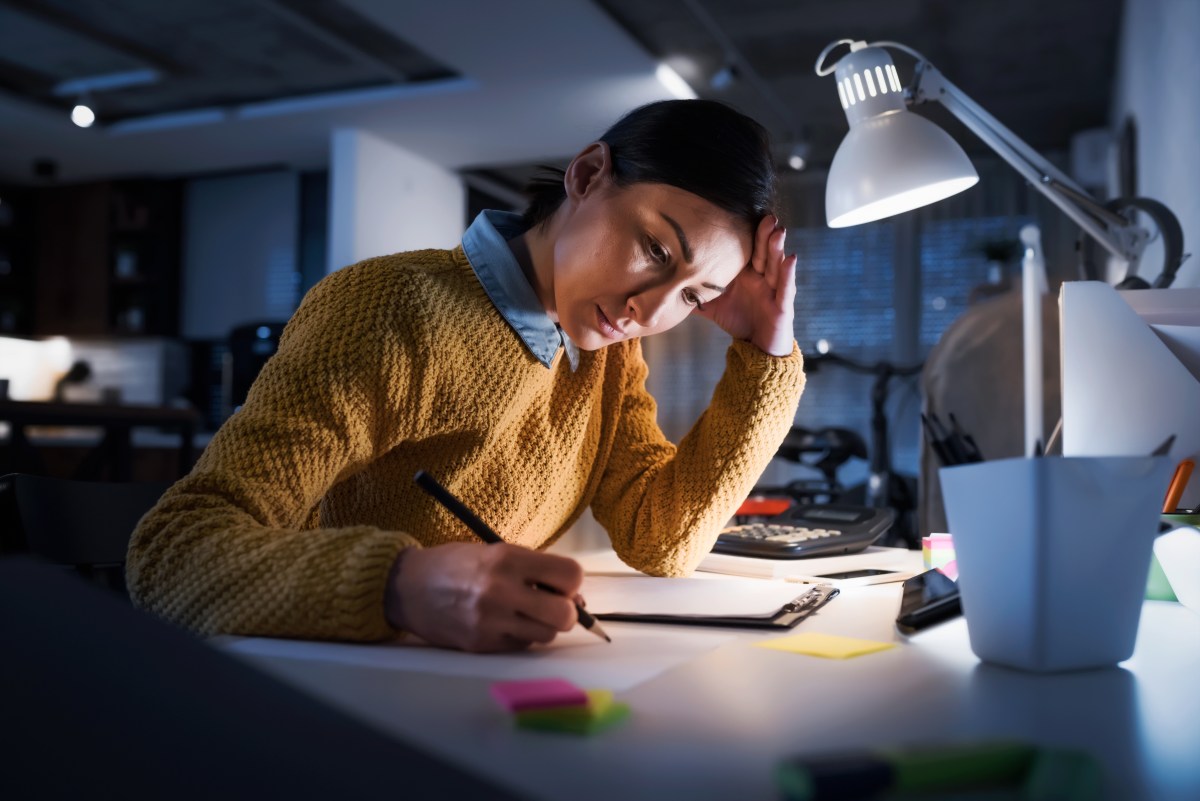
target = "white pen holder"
x: 1053, y: 555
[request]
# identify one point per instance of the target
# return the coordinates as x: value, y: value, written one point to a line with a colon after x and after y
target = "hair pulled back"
x: 700, y: 146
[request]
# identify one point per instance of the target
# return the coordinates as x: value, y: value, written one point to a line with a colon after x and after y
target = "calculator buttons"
x: 804, y: 532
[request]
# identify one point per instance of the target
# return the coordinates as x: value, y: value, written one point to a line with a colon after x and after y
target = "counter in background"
x: 113, y: 456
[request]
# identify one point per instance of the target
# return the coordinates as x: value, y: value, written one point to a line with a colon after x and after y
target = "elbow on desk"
x: 160, y: 563
x: 668, y: 562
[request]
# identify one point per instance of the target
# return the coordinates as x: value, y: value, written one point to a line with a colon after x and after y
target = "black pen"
x: 951, y: 446
x: 973, y: 452
x: 950, y: 442
x: 935, y: 444
x: 485, y: 533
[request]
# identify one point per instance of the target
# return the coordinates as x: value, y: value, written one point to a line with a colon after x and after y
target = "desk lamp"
x: 894, y: 161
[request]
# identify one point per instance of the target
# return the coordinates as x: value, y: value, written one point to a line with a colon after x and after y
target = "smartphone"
x: 927, y: 598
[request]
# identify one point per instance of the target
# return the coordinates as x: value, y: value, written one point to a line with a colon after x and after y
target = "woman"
x: 509, y: 368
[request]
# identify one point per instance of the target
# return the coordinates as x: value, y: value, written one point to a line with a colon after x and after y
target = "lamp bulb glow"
x: 83, y: 116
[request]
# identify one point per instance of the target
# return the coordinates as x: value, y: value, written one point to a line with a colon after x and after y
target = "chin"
x: 590, y: 341
x: 585, y: 337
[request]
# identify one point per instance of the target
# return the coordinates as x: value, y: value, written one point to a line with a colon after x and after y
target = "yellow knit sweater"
x: 292, y: 517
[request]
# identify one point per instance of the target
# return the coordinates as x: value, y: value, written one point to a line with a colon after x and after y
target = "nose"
x: 646, y: 308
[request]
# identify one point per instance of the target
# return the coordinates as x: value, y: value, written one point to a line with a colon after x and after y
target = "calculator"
x: 807, y: 531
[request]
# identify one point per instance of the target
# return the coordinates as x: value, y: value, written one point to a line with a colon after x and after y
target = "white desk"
x: 714, y: 727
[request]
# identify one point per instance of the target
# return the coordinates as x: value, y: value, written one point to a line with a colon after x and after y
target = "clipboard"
x: 785, y: 617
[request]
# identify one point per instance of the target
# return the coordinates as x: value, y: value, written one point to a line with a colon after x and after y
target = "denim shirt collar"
x: 486, y: 246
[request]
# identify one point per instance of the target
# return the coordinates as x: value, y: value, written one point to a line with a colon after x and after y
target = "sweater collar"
x: 486, y: 246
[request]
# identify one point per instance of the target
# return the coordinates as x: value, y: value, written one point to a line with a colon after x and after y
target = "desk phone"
x: 807, y: 531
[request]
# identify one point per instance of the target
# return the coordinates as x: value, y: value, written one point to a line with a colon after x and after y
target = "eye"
x: 658, y: 252
x: 693, y: 299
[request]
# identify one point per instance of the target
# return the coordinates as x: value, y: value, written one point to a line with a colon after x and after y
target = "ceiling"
x: 215, y: 53
x: 493, y: 88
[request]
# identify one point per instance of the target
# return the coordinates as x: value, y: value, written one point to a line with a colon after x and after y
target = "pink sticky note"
x: 516, y: 696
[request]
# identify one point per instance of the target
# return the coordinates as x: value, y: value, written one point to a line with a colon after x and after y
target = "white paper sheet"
x: 1184, y: 342
x: 876, y: 557
x: 1131, y: 372
x: 636, y: 654
x: 686, y: 596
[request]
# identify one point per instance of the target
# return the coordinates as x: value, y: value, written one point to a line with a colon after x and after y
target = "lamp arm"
x: 1119, y: 236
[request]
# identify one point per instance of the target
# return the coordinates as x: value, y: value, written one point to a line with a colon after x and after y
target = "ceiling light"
x: 676, y: 85
x: 798, y: 156
x: 82, y: 115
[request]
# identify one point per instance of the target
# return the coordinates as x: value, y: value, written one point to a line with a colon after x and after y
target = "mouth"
x: 606, y: 326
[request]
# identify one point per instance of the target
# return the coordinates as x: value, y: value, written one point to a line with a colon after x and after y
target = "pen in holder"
x: 1053, y: 555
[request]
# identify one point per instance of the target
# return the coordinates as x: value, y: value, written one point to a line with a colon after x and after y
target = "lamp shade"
x: 890, y: 164
x: 892, y: 160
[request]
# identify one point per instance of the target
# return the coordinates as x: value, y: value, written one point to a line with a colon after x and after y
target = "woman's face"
x: 636, y: 260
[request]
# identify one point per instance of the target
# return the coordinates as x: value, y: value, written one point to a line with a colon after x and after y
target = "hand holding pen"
x: 549, y: 587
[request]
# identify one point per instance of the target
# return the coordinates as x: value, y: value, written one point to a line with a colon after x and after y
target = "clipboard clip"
x: 810, y: 601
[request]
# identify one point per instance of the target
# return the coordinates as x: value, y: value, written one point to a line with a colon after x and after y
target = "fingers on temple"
x: 786, y: 294
x: 776, y: 257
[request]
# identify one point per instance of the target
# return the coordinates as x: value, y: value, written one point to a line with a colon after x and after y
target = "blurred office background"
x: 242, y: 149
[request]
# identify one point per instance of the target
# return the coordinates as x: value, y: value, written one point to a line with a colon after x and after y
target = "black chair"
x: 824, y: 450
x: 82, y: 525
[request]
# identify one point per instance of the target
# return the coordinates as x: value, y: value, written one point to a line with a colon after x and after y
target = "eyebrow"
x: 687, y: 249
x: 683, y: 243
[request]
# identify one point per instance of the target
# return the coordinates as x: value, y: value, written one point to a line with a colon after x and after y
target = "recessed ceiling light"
x: 83, y: 116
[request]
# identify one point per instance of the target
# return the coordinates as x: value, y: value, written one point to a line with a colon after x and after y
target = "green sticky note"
x: 995, y: 764
x: 830, y: 646
x: 546, y: 720
x: 1059, y: 775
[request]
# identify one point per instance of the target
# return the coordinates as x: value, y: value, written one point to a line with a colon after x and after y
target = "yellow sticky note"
x: 830, y: 646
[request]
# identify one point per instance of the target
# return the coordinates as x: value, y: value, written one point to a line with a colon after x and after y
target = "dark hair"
x: 700, y: 146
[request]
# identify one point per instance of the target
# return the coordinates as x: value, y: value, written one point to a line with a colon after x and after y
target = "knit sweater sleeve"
x: 225, y: 550
x: 664, y: 506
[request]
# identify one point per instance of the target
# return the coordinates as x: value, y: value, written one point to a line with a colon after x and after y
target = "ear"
x: 588, y: 171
